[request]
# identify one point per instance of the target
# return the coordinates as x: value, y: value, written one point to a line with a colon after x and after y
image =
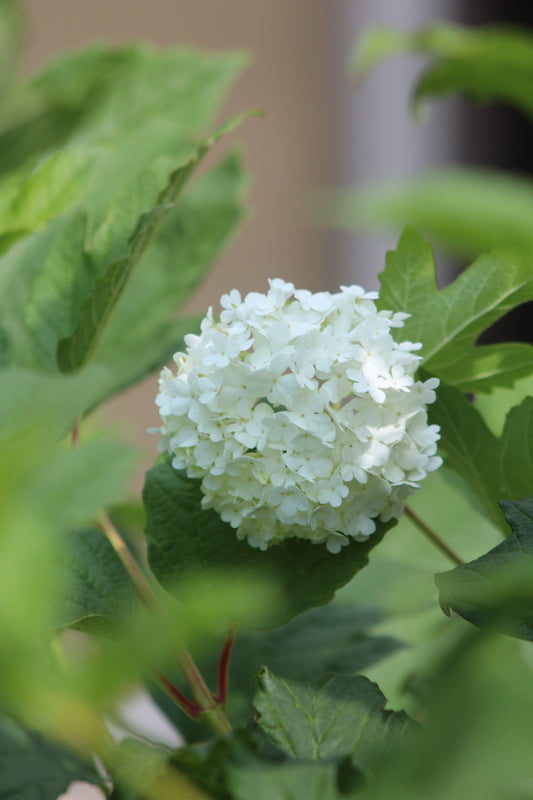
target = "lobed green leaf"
x: 449, y: 321
x: 330, y: 718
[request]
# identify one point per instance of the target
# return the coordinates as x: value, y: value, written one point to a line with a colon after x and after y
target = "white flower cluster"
x: 300, y: 414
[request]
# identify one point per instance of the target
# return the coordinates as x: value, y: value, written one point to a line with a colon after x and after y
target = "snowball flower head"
x: 301, y: 415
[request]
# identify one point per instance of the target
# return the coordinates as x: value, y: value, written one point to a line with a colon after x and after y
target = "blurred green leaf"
x: 494, y: 406
x: 11, y: 30
x: 494, y: 468
x: 98, y: 593
x: 285, y: 781
x: 246, y: 765
x: 82, y: 481
x: 481, y: 688
x: 189, y: 544
x: 106, y: 96
x: 55, y: 182
x: 466, y: 210
x: 44, y: 490
x: 449, y: 321
x: 330, y: 718
x: 487, y: 63
x: 130, y: 140
x: 144, y: 771
x: 495, y: 590
x: 32, y: 767
x: 172, y: 267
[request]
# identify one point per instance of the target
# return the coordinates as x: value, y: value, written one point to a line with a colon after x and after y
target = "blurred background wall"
x: 321, y: 129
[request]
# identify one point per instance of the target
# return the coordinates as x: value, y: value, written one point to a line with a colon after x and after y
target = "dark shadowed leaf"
x: 33, y: 768
x: 495, y: 468
x: 187, y: 543
x: 496, y: 590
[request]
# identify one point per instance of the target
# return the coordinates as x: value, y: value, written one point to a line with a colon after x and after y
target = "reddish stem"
x: 223, y: 664
x: 191, y: 708
x: 76, y: 433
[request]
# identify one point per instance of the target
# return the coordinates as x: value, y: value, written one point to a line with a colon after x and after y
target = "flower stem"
x: 205, y: 705
x: 142, y: 587
x: 432, y: 536
x: 223, y: 665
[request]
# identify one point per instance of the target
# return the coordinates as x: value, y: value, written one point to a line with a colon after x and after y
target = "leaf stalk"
x: 433, y: 537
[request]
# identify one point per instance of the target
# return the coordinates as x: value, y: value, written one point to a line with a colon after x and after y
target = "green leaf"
x: 31, y: 200
x: 494, y: 468
x: 33, y: 768
x: 495, y: 590
x: 187, y: 543
x: 98, y: 593
x: 132, y: 139
x: 172, y: 267
x: 97, y: 308
x: 106, y: 95
x: 449, y: 321
x: 330, y: 718
x: 493, y: 365
x: 36, y: 299
x: 488, y: 63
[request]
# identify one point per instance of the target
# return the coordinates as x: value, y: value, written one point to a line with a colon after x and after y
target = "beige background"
x: 287, y: 153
